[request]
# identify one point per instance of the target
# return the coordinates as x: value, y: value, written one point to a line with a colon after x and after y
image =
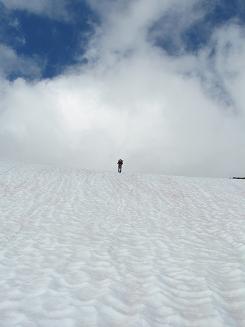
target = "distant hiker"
x: 120, y: 163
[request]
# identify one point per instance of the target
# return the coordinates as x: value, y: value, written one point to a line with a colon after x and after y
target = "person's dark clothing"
x: 120, y: 163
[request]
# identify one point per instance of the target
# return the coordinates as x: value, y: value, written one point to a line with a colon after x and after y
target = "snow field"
x: 80, y: 248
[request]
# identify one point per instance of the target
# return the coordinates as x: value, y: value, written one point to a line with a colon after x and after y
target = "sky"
x: 159, y: 83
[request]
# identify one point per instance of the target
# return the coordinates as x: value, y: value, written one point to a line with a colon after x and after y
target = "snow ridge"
x: 81, y: 248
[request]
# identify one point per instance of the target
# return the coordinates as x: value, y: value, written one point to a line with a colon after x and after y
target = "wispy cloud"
x: 12, y: 64
x: 54, y: 9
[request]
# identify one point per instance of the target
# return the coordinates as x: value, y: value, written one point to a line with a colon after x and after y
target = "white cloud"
x: 51, y: 8
x: 126, y: 28
x: 135, y: 102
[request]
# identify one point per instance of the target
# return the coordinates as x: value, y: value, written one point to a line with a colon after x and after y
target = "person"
x: 120, y: 163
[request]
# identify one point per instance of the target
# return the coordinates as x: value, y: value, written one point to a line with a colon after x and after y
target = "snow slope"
x: 80, y: 248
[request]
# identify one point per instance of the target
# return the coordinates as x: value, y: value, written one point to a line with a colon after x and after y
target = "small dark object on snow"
x: 120, y: 163
x: 238, y: 177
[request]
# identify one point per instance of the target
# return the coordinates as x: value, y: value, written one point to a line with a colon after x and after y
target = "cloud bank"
x: 167, y: 114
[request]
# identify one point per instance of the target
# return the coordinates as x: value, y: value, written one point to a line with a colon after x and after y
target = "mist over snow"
x: 128, y: 96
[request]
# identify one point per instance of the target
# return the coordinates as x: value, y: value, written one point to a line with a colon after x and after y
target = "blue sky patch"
x: 55, y: 44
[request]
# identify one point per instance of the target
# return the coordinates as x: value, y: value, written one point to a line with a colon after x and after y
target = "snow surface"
x: 81, y: 248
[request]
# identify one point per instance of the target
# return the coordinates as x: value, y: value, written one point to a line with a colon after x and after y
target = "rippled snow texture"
x: 81, y: 248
